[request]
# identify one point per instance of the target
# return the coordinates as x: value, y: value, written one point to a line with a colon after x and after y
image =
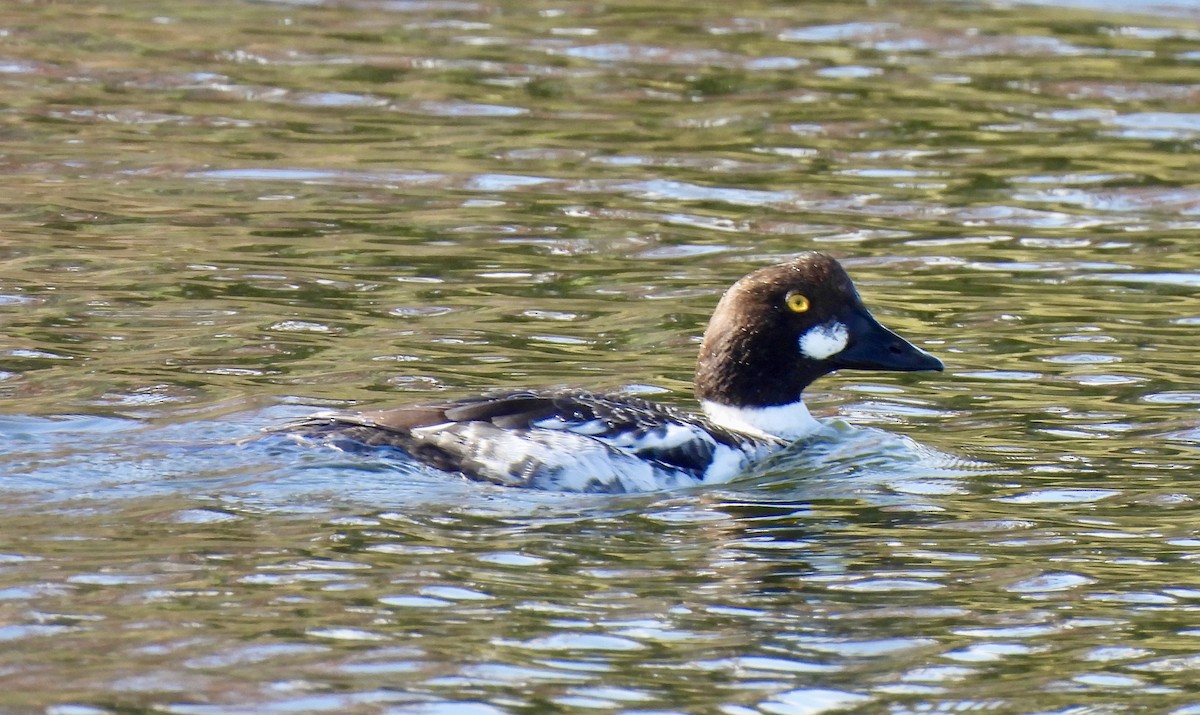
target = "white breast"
x: 789, y: 422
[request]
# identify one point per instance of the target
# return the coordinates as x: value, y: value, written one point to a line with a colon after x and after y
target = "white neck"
x: 789, y: 422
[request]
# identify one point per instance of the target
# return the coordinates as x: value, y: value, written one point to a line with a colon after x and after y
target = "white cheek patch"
x: 824, y: 340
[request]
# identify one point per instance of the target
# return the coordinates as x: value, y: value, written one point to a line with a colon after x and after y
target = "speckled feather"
x: 558, y: 439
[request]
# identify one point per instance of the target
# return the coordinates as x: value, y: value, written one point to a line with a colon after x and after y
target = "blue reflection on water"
x: 229, y: 461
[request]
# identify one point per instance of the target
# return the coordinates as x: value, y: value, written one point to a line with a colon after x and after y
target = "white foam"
x: 790, y: 422
x: 824, y: 340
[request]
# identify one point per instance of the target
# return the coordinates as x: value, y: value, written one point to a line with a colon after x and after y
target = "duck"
x: 771, y: 335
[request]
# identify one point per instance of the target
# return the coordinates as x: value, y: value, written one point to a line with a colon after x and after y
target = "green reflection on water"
x: 212, y: 208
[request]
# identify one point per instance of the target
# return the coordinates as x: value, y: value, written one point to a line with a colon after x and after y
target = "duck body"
x: 773, y: 333
x: 561, y: 440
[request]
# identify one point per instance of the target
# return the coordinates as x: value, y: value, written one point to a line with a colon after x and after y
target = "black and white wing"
x: 562, y: 440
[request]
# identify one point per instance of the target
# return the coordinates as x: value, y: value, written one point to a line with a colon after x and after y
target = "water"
x: 220, y: 216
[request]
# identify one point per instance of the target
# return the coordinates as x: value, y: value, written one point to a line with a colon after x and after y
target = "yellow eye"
x: 796, y: 302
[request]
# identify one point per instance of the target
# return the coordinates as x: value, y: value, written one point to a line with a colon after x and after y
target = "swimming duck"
x: 772, y: 333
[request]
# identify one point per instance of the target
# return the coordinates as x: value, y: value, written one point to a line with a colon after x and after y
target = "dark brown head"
x: 783, y: 326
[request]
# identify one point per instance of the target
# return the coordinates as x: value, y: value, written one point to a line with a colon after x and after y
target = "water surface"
x: 219, y: 216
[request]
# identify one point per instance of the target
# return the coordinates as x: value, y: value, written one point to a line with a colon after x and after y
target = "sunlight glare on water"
x: 221, y: 216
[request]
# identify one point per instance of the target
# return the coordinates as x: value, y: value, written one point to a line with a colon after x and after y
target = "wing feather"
x: 574, y: 440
